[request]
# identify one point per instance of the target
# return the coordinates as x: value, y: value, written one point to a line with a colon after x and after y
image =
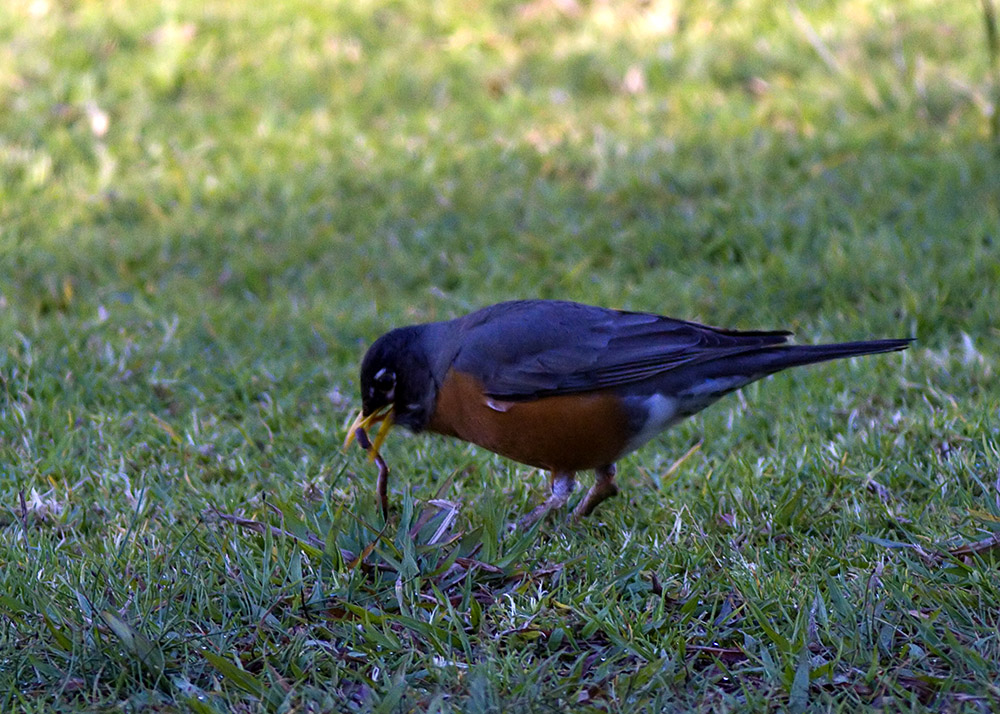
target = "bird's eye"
x: 385, y: 380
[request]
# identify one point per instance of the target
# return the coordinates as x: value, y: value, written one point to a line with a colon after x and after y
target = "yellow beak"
x: 383, y: 415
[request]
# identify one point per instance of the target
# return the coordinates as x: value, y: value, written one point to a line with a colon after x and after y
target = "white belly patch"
x: 661, y: 412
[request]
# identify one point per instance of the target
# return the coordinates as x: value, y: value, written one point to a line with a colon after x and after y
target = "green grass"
x: 208, y: 210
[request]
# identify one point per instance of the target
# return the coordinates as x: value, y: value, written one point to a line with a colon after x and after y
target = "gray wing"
x: 529, y: 349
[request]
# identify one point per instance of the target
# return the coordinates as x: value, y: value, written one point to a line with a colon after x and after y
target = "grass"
x: 208, y: 210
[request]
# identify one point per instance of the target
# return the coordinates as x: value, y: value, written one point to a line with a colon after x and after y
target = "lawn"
x: 209, y: 209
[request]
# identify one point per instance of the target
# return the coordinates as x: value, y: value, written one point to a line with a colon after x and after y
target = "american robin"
x: 567, y: 387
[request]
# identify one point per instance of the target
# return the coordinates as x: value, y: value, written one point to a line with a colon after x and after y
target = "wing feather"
x: 529, y: 349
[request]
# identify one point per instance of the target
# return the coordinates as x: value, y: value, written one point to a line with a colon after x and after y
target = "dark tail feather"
x: 768, y: 361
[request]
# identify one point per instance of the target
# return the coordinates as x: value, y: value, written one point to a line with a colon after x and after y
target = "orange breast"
x: 565, y: 433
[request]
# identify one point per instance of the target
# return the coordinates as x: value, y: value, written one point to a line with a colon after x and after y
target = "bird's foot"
x: 604, y: 488
x: 562, y: 485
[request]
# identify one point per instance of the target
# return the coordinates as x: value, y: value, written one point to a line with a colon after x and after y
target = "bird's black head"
x: 395, y: 375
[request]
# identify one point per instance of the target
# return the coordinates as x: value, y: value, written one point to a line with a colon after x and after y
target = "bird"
x: 567, y: 387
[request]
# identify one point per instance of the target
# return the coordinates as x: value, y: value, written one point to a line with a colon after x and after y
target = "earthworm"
x: 382, y: 483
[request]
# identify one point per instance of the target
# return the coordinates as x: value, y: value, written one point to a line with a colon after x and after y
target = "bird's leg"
x: 562, y: 484
x: 604, y: 487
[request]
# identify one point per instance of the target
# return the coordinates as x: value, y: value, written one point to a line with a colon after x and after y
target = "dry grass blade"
x: 978, y: 548
x: 674, y: 467
x: 816, y: 41
x: 470, y: 563
x: 257, y: 526
x: 438, y: 501
x: 726, y: 654
x: 451, y: 513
